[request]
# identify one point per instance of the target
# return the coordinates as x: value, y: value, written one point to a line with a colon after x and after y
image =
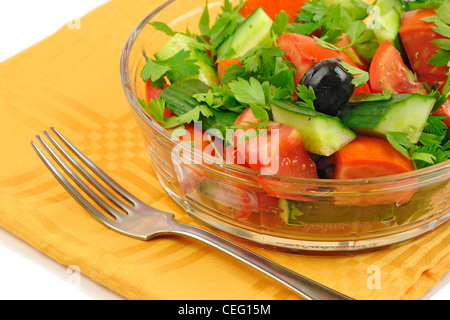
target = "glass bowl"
x: 317, y: 216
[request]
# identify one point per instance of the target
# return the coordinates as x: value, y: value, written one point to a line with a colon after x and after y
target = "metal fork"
x: 131, y: 217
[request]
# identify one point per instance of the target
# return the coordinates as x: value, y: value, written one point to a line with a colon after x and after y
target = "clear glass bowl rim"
x: 412, y: 178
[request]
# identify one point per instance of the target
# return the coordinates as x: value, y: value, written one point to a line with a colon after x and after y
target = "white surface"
x: 26, y: 273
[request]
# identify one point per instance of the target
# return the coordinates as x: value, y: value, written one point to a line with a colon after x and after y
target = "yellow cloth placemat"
x: 71, y: 81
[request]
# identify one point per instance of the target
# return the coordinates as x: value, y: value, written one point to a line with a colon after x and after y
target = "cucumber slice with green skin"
x: 290, y: 213
x: 253, y: 32
x: 322, y: 134
x: 178, y: 42
x: 387, y: 18
x: 406, y: 113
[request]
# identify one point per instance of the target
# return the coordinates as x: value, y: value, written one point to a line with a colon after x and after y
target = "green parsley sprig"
x: 306, y: 96
x: 264, y: 63
x: 176, y: 67
x: 432, y: 148
x: 360, y: 77
x: 441, y: 21
x: 224, y: 25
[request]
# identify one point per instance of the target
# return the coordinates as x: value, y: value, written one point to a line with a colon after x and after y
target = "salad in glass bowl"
x: 312, y: 126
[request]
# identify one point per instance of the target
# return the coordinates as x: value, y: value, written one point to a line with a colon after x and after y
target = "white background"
x: 26, y: 273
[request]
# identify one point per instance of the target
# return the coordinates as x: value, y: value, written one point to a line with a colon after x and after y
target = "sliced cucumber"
x: 322, y: 134
x: 253, y: 32
x: 290, y: 213
x: 387, y: 18
x: 178, y: 42
x: 403, y: 112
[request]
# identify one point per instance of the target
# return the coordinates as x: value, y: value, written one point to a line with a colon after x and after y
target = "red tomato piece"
x: 152, y: 92
x: 223, y: 64
x: 200, y: 140
x: 244, y: 120
x: 444, y: 110
x: 389, y: 72
x: 416, y: 36
x: 273, y: 8
x: 367, y: 157
x: 280, y: 151
x: 352, y: 53
x: 305, y: 52
x: 362, y: 89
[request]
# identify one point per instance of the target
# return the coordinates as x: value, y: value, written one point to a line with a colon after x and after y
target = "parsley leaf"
x: 178, y: 66
x: 441, y: 21
x: 188, y: 117
x: 260, y: 113
x: 281, y: 23
x: 443, y: 12
x: 154, y: 108
x: 248, y: 92
x: 364, y: 97
x: 161, y: 26
x: 360, y: 77
x: 220, y: 97
x: 264, y: 63
x: 441, y: 58
x: 430, y: 149
x: 400, y: 141
x: 224, y: 25
x: 203, y: 23
x: 306, y: 96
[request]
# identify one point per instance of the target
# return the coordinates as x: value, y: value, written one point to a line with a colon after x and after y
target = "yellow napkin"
x: 71, y: 81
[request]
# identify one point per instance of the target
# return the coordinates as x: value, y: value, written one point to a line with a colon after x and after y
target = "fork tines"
x: 116, y: 207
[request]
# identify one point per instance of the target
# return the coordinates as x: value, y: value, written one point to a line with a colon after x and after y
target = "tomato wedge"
x: 367, y: 157
x: 273, y: 8
x: 305, y: 52
x: 278, y: 152
x: 389, y: 72
x: 223, y: 64
x: 444, y: 110
x: 152, y: 92
x: 416, y: 36
x: 199, y: 139
x: 352, y: 53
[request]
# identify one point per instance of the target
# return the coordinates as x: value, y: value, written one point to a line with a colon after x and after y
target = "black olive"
x: 332, y: 85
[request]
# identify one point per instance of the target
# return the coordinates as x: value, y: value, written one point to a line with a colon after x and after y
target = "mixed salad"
x: 342, y: 89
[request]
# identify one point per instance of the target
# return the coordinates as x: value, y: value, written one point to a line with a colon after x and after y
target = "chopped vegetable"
x: 367, y: 157
x: 314, y: 81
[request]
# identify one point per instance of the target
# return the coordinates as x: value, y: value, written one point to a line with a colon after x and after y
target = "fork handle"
x: 306, y: 287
